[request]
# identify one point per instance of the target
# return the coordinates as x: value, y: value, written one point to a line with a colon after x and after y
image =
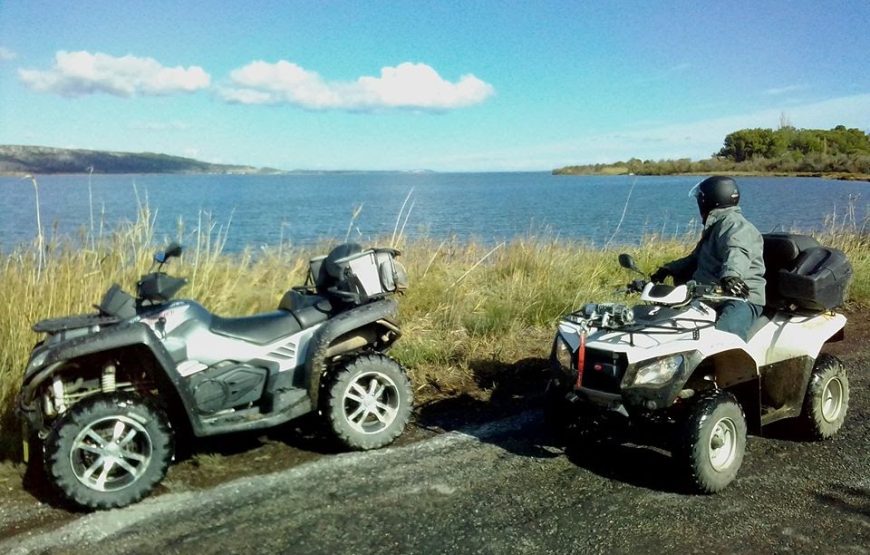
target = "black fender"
x: 653, y: 397
x: 360, y: 317
x: 129, y: 335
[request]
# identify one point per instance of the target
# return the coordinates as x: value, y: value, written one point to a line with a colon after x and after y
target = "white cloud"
x: 776, y: 91
x: 82, y: 73
x: 408, y: 85
x: 6, y: 54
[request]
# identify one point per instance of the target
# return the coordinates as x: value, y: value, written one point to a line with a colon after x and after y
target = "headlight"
x: 38, y: 360
x: 659, y: 371
x: 562, y: 353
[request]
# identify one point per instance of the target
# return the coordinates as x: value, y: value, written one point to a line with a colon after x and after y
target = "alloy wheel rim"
x: 832, y: 399
x: 371, y: 402
x: 722, y: 445
x: 111, y: 453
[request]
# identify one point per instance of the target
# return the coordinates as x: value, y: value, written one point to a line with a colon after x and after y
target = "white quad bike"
x: 104, y: 395
x: 662, y: 374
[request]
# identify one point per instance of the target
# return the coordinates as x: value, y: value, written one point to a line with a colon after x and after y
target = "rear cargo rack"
x: 56, y: 325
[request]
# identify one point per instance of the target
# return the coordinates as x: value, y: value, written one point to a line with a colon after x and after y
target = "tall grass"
x: 470, y: 306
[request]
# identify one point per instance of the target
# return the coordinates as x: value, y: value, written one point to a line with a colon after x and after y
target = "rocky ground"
x: 477, y: 477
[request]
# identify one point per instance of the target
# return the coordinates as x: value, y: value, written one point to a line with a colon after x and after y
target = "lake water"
x: 488, y: 207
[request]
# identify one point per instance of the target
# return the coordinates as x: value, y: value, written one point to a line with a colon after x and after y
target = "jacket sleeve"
x: 683, y: 268
x: 736, y: 241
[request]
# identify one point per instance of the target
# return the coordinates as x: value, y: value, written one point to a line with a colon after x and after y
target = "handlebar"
x: 704, y: 291
x: 712, y: 292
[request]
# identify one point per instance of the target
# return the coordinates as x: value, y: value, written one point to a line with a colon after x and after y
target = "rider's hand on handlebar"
x: 735, y: 286
x: 660, y: 275
x: 636, y: 286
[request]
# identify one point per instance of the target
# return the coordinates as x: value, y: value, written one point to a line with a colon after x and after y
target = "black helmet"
x: 715, y: 192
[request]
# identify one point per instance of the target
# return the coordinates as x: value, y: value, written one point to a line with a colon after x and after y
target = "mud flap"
x: 25, y: 444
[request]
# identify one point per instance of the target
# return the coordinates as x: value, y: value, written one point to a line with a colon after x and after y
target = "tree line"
x: 784, y: 150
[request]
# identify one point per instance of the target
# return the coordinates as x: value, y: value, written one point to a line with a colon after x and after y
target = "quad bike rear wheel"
x: 369, y: 402
x: 108, y: 451
x: 827, y: 398
x: 712, y: 441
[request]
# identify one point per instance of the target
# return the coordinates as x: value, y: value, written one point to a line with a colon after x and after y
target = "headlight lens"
x: 38, y: 360
x: 563, y: 353
x: 659, y: 371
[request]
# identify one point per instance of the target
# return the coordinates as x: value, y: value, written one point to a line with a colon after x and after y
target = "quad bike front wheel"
x: 369, y: 402
x: 827, y: 398
x: 712, y: 441
x: 108, y: 451
x: 557, y: 412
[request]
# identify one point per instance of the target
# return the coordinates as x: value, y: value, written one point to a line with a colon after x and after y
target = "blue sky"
x: 442, y: 85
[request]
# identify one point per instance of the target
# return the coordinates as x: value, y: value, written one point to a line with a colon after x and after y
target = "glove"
x: 734, y: 286
x: 637, y: 285
x: 660, y: 275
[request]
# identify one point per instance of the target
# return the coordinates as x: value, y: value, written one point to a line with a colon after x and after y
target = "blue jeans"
x: 737, y: 317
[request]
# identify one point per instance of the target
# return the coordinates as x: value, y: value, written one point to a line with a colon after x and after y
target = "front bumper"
x: 600, y: 400
x: 606, y: 377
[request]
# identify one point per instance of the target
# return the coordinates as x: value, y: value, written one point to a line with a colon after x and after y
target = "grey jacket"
x: 729, y: 246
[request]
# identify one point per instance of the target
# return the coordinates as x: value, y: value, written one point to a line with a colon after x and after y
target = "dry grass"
x: 471, y: 310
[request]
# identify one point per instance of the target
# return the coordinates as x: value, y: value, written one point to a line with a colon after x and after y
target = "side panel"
x: 192, y: 340
x: 783, y: 387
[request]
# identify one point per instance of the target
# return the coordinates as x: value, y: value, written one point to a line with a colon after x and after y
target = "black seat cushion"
x: 260, y: 328
x: 309, y: 309
x: 781, y: 251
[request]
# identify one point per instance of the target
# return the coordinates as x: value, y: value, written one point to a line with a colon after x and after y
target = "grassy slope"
x: 470, y: 312
x: 17, y: 159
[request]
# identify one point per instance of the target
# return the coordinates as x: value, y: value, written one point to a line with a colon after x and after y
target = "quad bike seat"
x: 309, y: 309
x: 260, y: 328
x: 296, y: 311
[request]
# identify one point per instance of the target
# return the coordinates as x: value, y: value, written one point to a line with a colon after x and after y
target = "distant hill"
x: 16, y: 159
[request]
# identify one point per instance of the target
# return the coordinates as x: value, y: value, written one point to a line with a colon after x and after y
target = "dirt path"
x: 494, y: 489
x: 488, y: 488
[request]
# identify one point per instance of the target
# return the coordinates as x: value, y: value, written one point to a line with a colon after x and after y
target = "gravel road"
x: 503, y: 487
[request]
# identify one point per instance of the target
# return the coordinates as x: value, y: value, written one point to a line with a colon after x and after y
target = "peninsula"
x: 19, y: 160
x: 839, y: 153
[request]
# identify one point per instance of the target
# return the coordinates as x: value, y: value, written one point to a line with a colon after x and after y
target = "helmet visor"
x: 696, y: 190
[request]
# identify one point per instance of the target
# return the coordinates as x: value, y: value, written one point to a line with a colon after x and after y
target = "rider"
x: 729, y: 253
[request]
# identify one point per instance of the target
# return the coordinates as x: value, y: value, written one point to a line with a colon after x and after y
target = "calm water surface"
x: 489, y: 207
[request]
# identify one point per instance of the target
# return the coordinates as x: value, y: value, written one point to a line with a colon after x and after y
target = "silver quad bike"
x: 662, y: 374
x: 105, y: 394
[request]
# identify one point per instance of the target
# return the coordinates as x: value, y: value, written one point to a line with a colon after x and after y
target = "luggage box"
x: 372, y: 273
x: 818, y: 281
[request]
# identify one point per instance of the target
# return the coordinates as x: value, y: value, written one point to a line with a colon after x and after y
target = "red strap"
x: 581, y: 360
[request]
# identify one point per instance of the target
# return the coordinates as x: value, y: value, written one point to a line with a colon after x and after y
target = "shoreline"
x: 838, y: 176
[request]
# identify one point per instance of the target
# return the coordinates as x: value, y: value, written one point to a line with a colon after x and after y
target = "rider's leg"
x: 737, y: 317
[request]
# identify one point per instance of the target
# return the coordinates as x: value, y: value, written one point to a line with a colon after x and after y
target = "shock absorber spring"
x: 57, y: 404
x: 107, y: 380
